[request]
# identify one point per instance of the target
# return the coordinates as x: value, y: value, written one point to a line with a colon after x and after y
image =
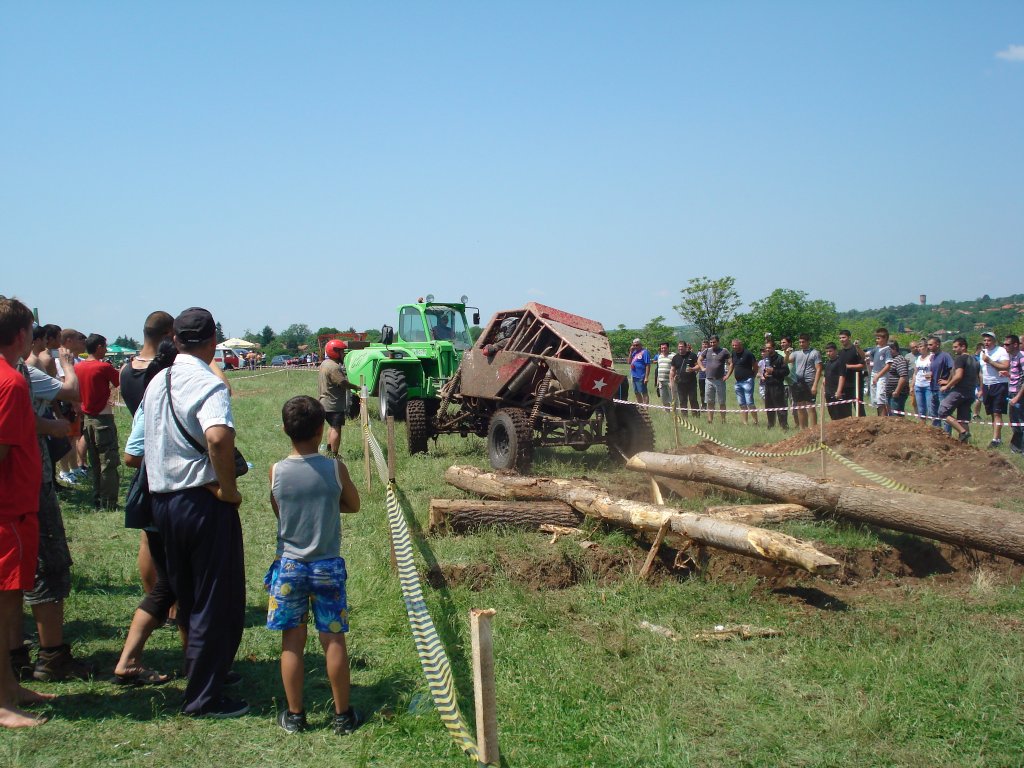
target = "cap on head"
x: 335, y: 349
x: 194, y: 325
x: 637, y: 341
x: 987, y: 333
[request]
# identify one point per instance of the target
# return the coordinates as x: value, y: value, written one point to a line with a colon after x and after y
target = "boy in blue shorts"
x: 307, y: 492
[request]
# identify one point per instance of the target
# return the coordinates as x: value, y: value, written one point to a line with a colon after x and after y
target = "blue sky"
x: 323, y: 162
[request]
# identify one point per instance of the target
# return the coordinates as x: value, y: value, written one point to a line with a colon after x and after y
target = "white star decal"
x: 599, y: 384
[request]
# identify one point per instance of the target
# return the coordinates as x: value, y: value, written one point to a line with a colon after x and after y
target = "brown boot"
x: 59, y: 664
x: 21, y: 663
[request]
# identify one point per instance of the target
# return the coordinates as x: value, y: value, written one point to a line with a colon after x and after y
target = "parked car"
x: 225, y: 358
x: 282, y: 360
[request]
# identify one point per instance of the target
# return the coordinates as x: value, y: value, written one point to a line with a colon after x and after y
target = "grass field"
x: 917, y: 675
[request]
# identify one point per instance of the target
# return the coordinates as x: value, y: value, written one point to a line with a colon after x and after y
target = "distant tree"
x: 295, y: 335
x: 326, y: 330
x: 785, y: 312
x: 255, y: 338
x: 655, y: 332
x: 474, y: 332
x: 372, y: 335
x: 267, y: 335
x: 220, y: 332
x: 127, y: 341
x: 620, y: 339
x: 709, y: 304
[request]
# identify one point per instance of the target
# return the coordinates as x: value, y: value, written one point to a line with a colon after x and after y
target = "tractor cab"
x: 427, y: 321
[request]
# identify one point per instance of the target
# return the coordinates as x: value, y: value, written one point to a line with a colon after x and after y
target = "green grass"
x: 913, y: 675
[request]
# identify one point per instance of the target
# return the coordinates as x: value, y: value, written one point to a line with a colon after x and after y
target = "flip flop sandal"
x: 141, y: 676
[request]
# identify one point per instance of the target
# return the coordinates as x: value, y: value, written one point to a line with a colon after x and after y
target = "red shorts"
x: 19, y: 552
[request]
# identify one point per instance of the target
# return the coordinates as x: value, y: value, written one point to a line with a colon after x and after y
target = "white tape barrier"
x: 810, y: 406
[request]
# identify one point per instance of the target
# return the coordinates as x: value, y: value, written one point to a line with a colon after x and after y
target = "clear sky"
x: 323, y: 162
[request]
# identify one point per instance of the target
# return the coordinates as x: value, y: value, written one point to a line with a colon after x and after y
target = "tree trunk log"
x: 956, y: 522
x: 759, y: 514
x: 465, y: 514
x: 685, y: 527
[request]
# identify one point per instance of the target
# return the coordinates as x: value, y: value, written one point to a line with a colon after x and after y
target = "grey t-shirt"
x: 879, y: 357
x: 802, y: 365
x: 714, y: 362
x: 307, y: 490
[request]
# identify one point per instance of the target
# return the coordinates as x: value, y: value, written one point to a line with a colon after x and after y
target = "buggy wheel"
x: 510, y: 440
x: 417, y: 426
x: 392, y: 393
x: 629, y: 431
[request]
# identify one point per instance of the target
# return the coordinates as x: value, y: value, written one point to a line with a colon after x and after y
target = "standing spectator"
x: 897, y: 380
x: 835, y: 384
x: 775, y: 372
x: 942, y: 369
x: 1012, y: 344
x: 850, y: 356
x: 785, y: 349
x: 334, y: 388
x: 806, y: 368
x: 307, y: 492
x: 158, y: 326
x: 713, y: 364
x: 880, y: 355
x: 48, y: 357
x: 97, y: 379
x: 639, y: 370
x: 922, y: 380
x: 663, y: 375
x: 21, y: 470
x: 994, y: 385
x: 960, y: 390
x: 684, y: 378
x: 702, y: 378
x: 742, y: 364
x: 72, y: 467
x: 195, y: 507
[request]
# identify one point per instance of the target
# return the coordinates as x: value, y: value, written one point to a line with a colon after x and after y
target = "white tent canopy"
x: 238, y: 344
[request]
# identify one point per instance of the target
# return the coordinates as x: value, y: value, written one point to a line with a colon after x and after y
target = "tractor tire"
x: 510, y: 440
x: 629, y: 431
x: 417, y: 425
x: 392, y: 393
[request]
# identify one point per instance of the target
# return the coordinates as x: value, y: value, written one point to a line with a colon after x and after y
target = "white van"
x: 225, y: 358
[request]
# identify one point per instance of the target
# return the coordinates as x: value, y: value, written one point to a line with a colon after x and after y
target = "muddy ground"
x: 912, y: 453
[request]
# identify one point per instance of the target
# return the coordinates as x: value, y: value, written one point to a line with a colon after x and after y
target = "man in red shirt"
x: 21, y: 473
x: 96, y: 379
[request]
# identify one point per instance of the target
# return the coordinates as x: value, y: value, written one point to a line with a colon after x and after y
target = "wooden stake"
x: 857, y: 394
x: 656, y: 492
x: 483, y: 686
x: 675, y: 420
x: 391, y: 449
x: 659, y: 537
x: 821, y: 425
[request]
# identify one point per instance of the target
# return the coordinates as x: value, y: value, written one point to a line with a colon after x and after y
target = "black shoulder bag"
x: 241, y: 465
x: 138, y: 504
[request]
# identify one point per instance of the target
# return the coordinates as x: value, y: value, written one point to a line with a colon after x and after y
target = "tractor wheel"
x: 417, y: 425
x: 392, y: 392
x: 510, y: 440
x: 629, y: 431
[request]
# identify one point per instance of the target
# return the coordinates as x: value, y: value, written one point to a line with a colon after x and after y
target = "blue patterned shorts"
x: 293, y: 585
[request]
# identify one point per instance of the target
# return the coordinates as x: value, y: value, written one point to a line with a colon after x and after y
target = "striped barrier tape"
x: 874, y: 477
x: 429, y: 648
x: 746, y: 451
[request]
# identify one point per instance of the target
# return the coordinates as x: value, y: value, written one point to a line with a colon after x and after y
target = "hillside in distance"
x: 1002, y: 315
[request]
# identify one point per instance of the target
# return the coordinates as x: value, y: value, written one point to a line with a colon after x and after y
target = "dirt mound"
x: 906, y: 450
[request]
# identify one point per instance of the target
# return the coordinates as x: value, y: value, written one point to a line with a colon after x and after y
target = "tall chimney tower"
x: 923, y: 299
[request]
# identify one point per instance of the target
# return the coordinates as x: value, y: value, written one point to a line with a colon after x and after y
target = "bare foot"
x: 12, y: 717
x: 25, y: 696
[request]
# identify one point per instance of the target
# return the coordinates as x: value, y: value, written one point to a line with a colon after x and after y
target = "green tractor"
x: 417, y: 360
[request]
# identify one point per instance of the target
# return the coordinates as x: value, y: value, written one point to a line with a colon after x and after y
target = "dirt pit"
x: 909, y: 451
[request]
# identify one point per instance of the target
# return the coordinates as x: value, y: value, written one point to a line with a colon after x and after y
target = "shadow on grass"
x: 814, y: 597
x: 922, y: 557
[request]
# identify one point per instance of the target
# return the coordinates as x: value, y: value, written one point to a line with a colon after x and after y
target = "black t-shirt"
x: 969, y: 381
x: 834, y: 369
x: 743, y: 365
x: 133, y: 387
x: 851, y: 356
x: 680, y: 362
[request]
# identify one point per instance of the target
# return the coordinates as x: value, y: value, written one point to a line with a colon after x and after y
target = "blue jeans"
x: 933, y: 410
x: 923, y: 398
x: 744, y: 392
x: 898, y: 404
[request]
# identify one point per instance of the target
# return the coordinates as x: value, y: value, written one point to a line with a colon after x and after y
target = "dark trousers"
x: 203, y: 542
x: 1017, y: 417
x: 700, y: 392
x: 775, y: 397
x: 837, y: 412
x: 159, y: 601
x: 688, y: 396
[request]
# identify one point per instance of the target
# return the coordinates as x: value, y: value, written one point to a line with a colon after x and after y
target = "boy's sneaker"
x: 347, y: 722
x: 292, y: 722
x: 1015, y: 449
x: 995, y: 444
x: 965, y: 436
x: 59, y: 664
x: 68, y: 478
x: 225, y: 708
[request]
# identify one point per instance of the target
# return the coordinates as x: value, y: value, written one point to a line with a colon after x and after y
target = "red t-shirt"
x: 94, y: 378
x: 21, y: 471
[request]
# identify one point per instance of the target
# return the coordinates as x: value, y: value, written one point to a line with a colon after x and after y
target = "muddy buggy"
x: 536, y: 376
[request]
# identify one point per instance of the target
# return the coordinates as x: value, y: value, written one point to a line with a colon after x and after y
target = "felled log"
x: 685, y: 527
x: 466, y: 514
x: 759, y: 514
x: 956, y: 522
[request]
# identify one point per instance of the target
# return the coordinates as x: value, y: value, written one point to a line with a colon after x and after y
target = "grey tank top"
x: 307, y: 490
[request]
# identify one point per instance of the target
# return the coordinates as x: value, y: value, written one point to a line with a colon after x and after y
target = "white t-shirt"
x: 989, y: 374
x: 922, y: 367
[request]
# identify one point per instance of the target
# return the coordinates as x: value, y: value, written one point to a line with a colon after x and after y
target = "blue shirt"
x: 638, y: 363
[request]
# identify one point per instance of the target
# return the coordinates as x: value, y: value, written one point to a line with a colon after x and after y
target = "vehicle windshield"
x: 447, y: 324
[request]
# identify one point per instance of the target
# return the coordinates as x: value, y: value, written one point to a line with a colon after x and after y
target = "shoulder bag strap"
x: 170, y: 402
